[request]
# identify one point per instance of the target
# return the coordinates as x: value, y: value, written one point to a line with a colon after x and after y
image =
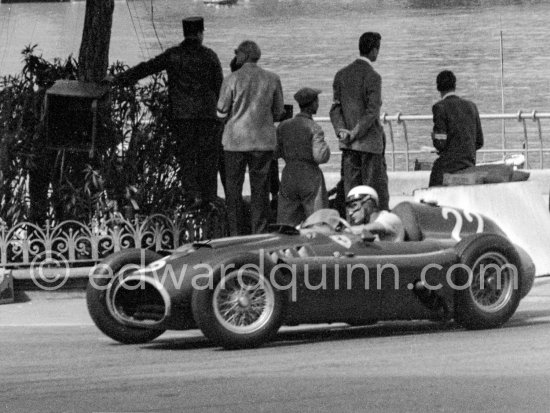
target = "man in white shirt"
x: 365, y: 215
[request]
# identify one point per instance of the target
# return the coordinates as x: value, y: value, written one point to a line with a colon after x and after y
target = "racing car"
x: 239, y: 291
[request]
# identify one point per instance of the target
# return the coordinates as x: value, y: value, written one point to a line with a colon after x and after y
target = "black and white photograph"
x: 274, y: 205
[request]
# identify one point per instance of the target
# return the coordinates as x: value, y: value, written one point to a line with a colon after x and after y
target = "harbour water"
x: 307, y: 41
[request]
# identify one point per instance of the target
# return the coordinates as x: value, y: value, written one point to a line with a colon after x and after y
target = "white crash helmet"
x: 362, y: 192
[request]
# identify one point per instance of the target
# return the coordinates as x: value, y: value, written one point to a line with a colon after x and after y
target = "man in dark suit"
x: 457, y: 132
x: 355, y: 115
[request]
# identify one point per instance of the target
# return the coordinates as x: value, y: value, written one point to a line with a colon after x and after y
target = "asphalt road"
x: 52, y: 359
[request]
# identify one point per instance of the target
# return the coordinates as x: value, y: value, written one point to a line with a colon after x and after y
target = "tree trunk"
x: 93, y: 58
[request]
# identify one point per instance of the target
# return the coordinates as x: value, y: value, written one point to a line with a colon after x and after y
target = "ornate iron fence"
x: 80, y: 244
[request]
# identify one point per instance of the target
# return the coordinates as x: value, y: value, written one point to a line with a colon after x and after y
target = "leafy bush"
x: 133, y: 171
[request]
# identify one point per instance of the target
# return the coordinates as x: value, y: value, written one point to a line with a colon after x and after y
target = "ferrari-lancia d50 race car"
x: 240, y: 290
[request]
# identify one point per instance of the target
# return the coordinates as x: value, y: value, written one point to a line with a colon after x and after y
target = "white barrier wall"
x: 518, y: 208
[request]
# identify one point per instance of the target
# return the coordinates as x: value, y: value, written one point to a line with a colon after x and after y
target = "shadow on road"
x: 315, y: 334
x: 528, y: 318
x: 186, y: 343
x: 309, y: 334
x: 386, y: 329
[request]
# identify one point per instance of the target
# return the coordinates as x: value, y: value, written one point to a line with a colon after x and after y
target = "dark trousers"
x: 274, y: 182
x: 273, y: 174
x: 444, y: 166
x: 365, y: 168
x: 221, y: 167
x: 436, y: 176
x: 258, y: 163
x: 198, y: 142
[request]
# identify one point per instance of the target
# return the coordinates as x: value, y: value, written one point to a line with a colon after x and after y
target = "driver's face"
x: 356, y: 211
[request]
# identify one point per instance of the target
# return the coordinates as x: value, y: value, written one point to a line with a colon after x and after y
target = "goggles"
x: 354, y: 204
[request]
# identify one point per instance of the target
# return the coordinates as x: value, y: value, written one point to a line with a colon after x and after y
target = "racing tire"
x: 96, y: 296
x: 487, y: 299
x: 242, y: 310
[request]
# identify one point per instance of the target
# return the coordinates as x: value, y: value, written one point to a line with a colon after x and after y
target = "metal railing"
x: 496, y: 141
x: 72, y: 243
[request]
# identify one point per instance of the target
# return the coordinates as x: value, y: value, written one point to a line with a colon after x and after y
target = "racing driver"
x: 366, y: 217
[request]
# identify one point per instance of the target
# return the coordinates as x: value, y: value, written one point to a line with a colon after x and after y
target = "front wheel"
x: 97, y: 294
x: 488, y: 290
x: 242, y: 310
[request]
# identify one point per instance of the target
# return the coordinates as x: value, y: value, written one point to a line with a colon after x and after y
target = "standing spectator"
x: 233, y: 66
x: 355, y: 115
x: 273, y: 169
x: 301, y: 143
x: 457, y: 130
x: 194, y: 81
x: 251, y: 99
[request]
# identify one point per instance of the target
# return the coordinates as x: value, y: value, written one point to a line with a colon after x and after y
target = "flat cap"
x: 306, y: 95
x: 192, y: 25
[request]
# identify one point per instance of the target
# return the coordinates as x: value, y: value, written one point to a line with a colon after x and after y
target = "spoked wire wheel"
x: 243, y: 302
x: 243, y: 309
x: 493, y: 282
x: 491, y: 291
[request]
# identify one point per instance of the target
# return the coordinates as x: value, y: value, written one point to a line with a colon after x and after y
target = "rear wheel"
x: 243, y: 310
x: 488, y: 293
x: 97, y: 293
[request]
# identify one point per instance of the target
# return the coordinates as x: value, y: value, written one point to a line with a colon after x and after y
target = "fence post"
x: 541, y: 148
x: 389, y: 123
x: 406, y: 135
x: 521, y: 119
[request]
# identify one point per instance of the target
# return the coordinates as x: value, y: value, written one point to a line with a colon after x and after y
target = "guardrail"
x: 496, y: 141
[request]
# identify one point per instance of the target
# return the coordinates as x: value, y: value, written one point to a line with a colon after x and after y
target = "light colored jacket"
x: 252, y: 99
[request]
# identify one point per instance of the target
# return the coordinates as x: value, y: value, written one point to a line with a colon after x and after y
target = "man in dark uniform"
x: 194, y: 80
x: 301, y: 143
x: 457, y: 130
